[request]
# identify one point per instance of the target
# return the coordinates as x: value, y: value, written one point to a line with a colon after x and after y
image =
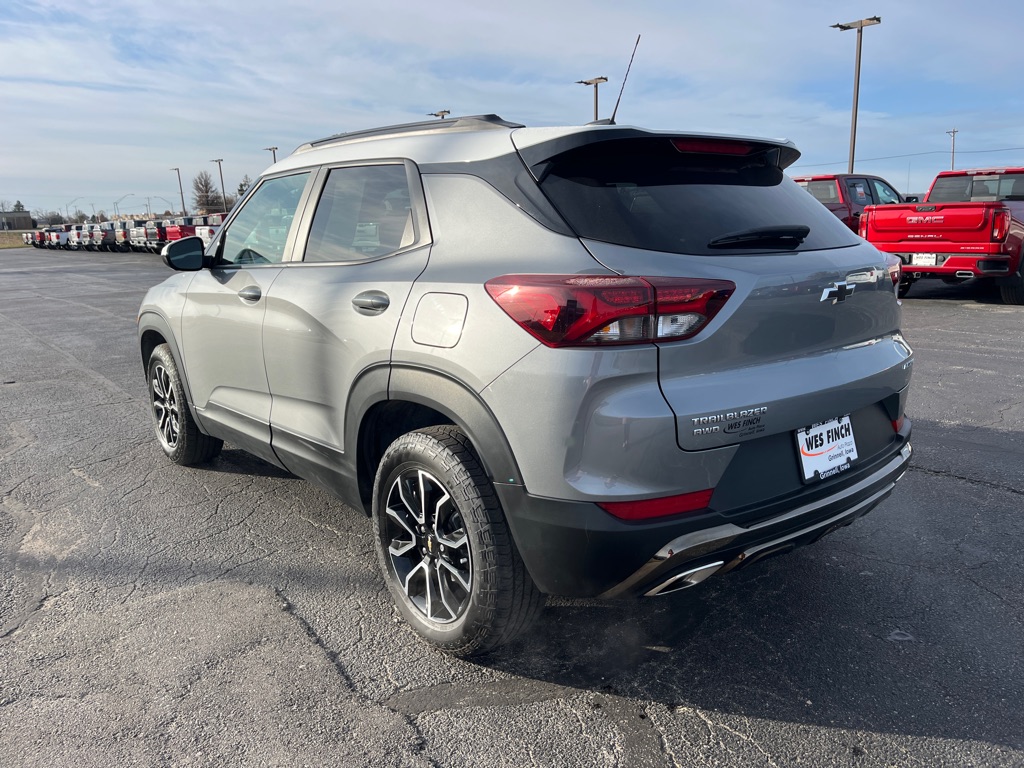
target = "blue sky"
x: 100, y: 98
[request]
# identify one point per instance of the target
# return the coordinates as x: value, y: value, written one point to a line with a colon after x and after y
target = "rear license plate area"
x: 826, y: 449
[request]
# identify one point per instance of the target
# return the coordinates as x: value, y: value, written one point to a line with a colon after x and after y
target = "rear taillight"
x: 862, y: 228
x: 585, y: 310
x: 645, y: 509
x: 1000, y: 225
x: 898, y: 424
x: 894, y: 267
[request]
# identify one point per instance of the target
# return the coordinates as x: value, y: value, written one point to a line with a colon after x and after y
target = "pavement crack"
x: 973, y: 480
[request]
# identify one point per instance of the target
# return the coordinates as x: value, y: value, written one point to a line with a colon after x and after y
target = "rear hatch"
x: 809, y: 331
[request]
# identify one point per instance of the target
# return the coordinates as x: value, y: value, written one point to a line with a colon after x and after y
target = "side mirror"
x: 185, y: 255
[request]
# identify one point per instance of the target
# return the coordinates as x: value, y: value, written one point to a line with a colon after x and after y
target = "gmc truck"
x: 847, y: 195
x: 970, y: 225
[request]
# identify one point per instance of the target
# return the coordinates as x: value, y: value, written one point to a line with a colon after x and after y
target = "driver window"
x: 258, y: 233
x: 884, y: 193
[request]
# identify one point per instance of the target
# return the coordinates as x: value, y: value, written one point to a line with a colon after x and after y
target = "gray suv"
x: 586, y: 361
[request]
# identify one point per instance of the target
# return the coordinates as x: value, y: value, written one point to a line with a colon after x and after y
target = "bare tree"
x: 205, y: 196
x: 5, y: 205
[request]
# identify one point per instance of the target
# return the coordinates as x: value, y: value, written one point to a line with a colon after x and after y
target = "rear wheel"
x: 1012, y: 292
x: 904, y: 288
x: 445, y: 548
x: 176, y: 430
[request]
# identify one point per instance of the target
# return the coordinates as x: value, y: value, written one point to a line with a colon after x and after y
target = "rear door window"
x: 857, y: 192
x: 648, y: 193
x: 364, y: 212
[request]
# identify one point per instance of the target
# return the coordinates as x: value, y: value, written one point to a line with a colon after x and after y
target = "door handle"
x: 371, y: 302
x: 251, y: 293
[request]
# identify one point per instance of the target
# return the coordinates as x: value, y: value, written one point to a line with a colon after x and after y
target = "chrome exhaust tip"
x: 685, y: 580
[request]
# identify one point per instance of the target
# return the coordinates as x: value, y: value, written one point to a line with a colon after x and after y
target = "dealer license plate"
x: 826, y: 449
x: 924, y: 259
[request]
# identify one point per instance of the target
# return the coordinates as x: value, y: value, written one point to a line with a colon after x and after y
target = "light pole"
x: 859, y: 26
x: 181, y: 191
x: 272, y: 150
x: 952, y: 151
x: 169, y: 203
x: 223, y: 194
x: 441, y: 113
x: 594, y: 81
x: 67, y: 213
x: 116, y: 202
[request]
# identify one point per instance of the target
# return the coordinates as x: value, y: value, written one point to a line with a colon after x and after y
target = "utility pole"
x: 952, y: 152
x: 594, y: 81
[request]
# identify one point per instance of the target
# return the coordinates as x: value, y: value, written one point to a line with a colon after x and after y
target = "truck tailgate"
x: 921, y: 223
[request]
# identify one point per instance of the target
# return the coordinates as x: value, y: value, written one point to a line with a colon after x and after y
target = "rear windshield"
x: 978, y: 188
x: 822, y: 191
x: 645, y: 193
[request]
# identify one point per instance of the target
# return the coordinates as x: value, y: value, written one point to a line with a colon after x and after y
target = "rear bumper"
x: 963, y: 265
x: 575, y: 549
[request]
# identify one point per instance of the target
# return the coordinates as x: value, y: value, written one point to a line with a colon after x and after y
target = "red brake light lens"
x: 645, y: 509
x: 1000, y: 225
x: 713, y: 146
x: 862, y: 227
x: 586, y: 310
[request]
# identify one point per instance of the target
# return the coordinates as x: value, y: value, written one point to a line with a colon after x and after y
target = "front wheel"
x: 176, y: 430
x: 445, y: 548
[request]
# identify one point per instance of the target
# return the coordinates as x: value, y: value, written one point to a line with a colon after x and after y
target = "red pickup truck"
x: 847, y: 194
x: 969, y: 225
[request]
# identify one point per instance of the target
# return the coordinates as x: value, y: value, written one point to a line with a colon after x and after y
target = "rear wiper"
x: 785, y: 236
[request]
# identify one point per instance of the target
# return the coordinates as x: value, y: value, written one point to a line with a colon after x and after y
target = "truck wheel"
x: 1012, y: 292
x: 445, y: 548
x: 176, y: 430
x: 904, y: 288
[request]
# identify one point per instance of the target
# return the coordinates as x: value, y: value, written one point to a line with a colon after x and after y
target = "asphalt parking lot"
x: 234, y: 615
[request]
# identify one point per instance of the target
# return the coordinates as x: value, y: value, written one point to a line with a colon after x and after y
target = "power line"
x: 913, y: 154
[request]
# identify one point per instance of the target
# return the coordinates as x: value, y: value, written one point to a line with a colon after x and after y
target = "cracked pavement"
x: 234, y: 615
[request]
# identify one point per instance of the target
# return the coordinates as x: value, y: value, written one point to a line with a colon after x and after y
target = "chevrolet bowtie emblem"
x: 837, y: 292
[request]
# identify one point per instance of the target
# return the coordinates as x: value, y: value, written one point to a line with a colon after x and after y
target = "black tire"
x: 445, y: 548
x: 176, y: 430
x: 904, y: 288
x: 1013, y: 292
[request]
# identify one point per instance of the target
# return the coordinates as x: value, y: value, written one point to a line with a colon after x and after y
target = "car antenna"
x: 611, y: 120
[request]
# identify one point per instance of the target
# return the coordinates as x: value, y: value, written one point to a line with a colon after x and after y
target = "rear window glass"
x: 822, y: 191
x: 644, y: 193
x: 977, y: 188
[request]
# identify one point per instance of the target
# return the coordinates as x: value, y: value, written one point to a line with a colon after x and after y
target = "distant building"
x: 15, y: 220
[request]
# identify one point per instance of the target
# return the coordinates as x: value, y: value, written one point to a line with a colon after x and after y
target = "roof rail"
x: 467, y: 123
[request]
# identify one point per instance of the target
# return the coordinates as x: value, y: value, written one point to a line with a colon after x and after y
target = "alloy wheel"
x: 428, y: 546
x: 165, y: 407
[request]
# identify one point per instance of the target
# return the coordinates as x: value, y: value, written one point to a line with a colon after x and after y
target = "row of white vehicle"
x: 126, y: 235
